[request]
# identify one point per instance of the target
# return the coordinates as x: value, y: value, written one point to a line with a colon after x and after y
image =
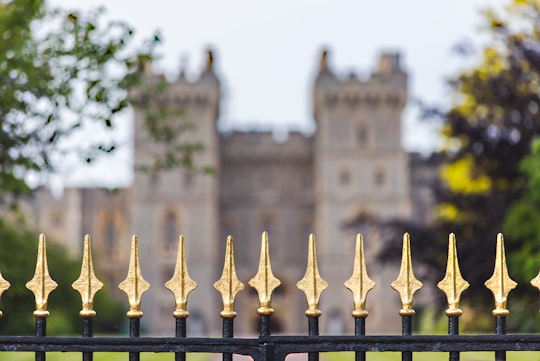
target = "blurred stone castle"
x: 348, y: 177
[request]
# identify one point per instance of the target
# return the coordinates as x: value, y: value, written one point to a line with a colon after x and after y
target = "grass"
x: 432, y: 356
x: 100, y: 356
x: 331, y: 356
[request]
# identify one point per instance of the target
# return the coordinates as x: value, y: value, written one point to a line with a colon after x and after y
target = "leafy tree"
x: 523, y: 229
x: 62, y: 71
x: 487, y: 132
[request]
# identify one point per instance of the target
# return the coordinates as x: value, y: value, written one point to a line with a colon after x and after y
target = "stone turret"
x: 172, y: 202
x: 360, y: 169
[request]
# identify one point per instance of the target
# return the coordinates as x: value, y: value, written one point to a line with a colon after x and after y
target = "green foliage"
x: 63, y: 71
x: 17, y: 264
x: 522, y: 226
x: 491, y: 126
x: 488, y: 130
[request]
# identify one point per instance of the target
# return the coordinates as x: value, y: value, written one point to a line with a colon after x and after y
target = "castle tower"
x: 167, y: 203
x: 361, y: 179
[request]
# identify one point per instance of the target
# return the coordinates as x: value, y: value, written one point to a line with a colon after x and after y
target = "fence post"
x: 41, y: 285
x: 359, y: 284
x: 229, y: 286
x: 406, y: 285
x: 134, y: 286
x: 87, y: 284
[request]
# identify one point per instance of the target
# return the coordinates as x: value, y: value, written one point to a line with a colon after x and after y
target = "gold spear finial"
x: 536, y: 281
x: 134, y: 285
x: 500, y: 283
x: 312, y: 284
x: 4, y: 285
x: 181, y: 284
x: 229, y: 284
x: 453, y: 283
x: 359, y: 283
x: 406, y: 284
x: 42, y: 284
x: 87, y: 284
x: 264, y: 281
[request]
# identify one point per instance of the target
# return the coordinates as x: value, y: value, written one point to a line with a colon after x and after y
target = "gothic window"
x: 266, y: 182
x: 379, y: 178
x: 111, y: 238
x: 331, y: 99
x: 362, y: 135
x: 344, y: 177
x: 306, y: 182
x: 170, y: 233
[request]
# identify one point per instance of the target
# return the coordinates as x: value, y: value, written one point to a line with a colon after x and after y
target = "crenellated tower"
x: 166, y: 203
x: 361, y: 174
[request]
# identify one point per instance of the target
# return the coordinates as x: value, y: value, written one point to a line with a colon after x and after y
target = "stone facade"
x: 353, y: 168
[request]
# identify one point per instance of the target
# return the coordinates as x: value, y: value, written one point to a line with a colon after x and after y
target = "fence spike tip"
x: 229, y: 284
x: 453, y: 283
x: 134, y: 285
x: 359, y: 284
x: 87, y: 284
x: 312, y: 284
x: 264, y: 281
x: 41, y: 284
x: 181, y: 284
x: 406, y: 284
x: 500, y: 283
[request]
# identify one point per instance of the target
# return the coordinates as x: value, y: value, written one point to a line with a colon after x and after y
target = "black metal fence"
x: 267, y: 347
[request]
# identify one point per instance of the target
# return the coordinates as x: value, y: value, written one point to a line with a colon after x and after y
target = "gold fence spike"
x: 134, y: 285
x: 500, y: 282
x: 264, y: 281
x: 406, y: 284
x: 87, y: 284
x: 453, y: 283
x: 229, y: 284
x: 536, y: 281
x: 359, y: 283
x: 181, y: 284
x: 42, y: 284
x: 312, y: 284
x: 4, y: 285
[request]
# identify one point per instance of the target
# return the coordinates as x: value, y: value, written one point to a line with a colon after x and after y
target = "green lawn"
x: 344, y: 356
x: 99, y: 356
x: 433, y: 356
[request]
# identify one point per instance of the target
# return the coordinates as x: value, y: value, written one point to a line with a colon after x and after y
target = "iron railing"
x: 267, y: 347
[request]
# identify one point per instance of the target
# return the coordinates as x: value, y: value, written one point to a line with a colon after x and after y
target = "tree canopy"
x: 61, y: 71
x: 487, y: 132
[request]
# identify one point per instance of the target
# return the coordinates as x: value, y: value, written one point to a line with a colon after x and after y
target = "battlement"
x: 262, y: 146
x: 201, y: 92
x: 386, y: 88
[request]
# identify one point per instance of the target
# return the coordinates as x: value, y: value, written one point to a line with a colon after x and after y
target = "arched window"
x: 379, y: 177
x: 362, y: 135
x: 111, y: 239
x: 344, y: 177
x: 170, y: 233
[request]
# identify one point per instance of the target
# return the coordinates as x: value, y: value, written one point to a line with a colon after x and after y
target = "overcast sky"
x: 267, y: 52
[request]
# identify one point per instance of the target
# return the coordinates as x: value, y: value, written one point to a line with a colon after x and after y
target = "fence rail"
x: 267, y: 347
